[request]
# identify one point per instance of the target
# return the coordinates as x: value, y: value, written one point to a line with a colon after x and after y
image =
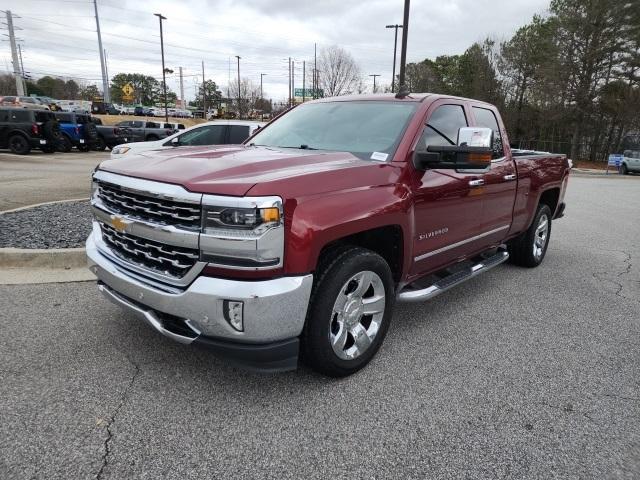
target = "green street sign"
x: 308, y: 92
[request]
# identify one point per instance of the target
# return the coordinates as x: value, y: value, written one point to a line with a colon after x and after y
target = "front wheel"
x: 529, y: 249
x: 349, y: 313
x: 624, y: 170
x: 100, y: 145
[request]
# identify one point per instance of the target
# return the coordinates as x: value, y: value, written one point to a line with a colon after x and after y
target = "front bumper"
x: 274, y: 311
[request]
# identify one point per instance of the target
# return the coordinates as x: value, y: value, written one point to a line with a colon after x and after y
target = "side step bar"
x: 450, y: 281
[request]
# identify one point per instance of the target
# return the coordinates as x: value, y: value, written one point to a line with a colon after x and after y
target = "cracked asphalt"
x: 516, y: 374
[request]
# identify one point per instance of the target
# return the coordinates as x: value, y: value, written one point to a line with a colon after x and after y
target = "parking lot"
x: 40, y: 177
x: 516, y: 374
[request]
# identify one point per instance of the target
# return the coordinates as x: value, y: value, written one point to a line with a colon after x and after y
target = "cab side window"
x: 486, y: 118
x: 442, y: 126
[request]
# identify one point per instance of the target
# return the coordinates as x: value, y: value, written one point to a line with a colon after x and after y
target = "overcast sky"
x: 58, y: 36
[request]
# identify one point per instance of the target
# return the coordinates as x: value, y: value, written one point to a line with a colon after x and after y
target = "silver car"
x: 630, y: 162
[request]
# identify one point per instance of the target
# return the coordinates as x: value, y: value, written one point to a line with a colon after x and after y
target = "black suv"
x: 22, y: 129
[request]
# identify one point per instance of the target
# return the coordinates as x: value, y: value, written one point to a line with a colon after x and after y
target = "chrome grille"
x: 160, y: 258
x: 148, y: 208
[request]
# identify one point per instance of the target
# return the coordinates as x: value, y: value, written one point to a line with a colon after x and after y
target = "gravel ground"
x: 59, y: 225
x: 517, y: 374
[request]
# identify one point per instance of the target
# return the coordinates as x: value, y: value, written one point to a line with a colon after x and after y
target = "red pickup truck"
x: 299, y: 242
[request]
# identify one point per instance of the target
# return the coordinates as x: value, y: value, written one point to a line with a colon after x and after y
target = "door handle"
x: 476, y: 183
x: 509, y: 177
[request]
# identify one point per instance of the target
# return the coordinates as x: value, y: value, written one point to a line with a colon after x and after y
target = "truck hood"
x: 237, y: 170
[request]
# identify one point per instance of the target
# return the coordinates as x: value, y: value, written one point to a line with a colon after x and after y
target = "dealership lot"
x: 515, y: 374
x: 40, y: 177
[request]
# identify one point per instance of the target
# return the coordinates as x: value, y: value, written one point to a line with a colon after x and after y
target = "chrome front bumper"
x: 274, y: 310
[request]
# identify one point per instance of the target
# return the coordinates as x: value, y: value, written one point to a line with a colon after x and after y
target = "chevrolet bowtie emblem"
x: 119, y: 224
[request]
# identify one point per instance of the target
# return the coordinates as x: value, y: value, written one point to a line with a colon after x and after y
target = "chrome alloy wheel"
x: 540, y: 237
x: 357, y: 315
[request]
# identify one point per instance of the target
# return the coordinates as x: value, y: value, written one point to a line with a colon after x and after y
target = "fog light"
x: 233, y: 312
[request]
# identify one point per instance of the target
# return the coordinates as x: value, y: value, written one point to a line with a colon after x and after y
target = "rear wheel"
x: 349, y: 313
x: 19, y: 145
x: 529, y: 249
x: 64, y: 144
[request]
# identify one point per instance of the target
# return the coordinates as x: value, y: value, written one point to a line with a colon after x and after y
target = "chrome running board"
x: 443, y: 284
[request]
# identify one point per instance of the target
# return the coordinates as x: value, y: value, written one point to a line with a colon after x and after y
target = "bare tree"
x: 249, y: 95
x: 339, y: 72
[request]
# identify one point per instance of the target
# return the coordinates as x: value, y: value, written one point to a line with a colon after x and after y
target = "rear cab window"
x: 238, y: 133
x: 486, y: 118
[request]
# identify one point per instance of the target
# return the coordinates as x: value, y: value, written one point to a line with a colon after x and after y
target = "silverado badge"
x: 119, y: 224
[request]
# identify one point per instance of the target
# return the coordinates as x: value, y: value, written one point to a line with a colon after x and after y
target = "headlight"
x: 245, y: 233
x: 241, y: 218
x: 120, y: 150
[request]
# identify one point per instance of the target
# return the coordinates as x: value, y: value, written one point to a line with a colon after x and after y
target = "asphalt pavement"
x: 41, y: 177
x: 519, y: 373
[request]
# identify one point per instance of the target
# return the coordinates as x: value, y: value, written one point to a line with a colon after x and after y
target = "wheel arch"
x: 387, y: 241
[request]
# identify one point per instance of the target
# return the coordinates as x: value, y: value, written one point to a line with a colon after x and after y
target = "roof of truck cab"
x: 391, y: 97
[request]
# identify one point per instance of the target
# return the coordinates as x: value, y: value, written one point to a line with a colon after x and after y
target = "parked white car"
x: 630, y: 162
x: 220, y: 132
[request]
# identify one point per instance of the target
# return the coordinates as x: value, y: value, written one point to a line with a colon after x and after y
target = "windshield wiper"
x: 301, y: 147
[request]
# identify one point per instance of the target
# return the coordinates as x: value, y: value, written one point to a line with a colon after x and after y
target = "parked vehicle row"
x: 220, y: 132
x: 299, y: 242
x: 22, y: 130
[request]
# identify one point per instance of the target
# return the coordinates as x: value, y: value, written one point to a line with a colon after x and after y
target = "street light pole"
x: 239, y: 96
x: 403, y: 51
x: 395, y: 48
x: 261, y: 97
x: 164, y: 78
x: 374, y: 80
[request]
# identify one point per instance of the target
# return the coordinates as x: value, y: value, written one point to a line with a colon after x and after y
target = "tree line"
x: 567, y: 82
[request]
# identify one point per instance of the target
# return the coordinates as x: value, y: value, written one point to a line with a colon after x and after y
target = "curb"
x: 27, y: 207
x: 61, y: 258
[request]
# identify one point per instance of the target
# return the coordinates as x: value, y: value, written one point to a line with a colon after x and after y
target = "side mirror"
x: 473, y: 152
x: 175, y: 142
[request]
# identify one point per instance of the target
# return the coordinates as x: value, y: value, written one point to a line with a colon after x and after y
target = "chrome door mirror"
x: 475, y: 137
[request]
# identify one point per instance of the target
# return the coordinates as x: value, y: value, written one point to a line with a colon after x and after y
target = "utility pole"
x: 182, y: 102
x: 289, y: 82
x: 304, y: 78
x: 315, y: 70
x: 374, y: 81
x: 403, y: 52
x: 14, y: 55
x: 204, y: 95
x: 164, y: 78
x: 106, y: 71
x: 395, y: 47
x: 105, y: 82
x: 261, y: 97
x: 293, y: 81
x: 239, y: 93
x: 24, y: 76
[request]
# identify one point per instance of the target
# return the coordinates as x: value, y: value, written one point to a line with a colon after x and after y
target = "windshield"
x: 368, y: 129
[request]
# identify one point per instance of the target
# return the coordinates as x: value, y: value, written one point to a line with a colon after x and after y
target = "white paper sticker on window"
x: 381, y: 157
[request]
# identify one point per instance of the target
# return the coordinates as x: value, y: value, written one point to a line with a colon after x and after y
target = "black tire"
x: 51, y: 129
x: 19, y: 145
x: 521, y: 249
x: 624, y: 170
x: 64, y: 144
x: 335, y: 270
x: 152, y: 138
x: 83, y: 147
x: 100, y: 145
x: 90, y: 132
